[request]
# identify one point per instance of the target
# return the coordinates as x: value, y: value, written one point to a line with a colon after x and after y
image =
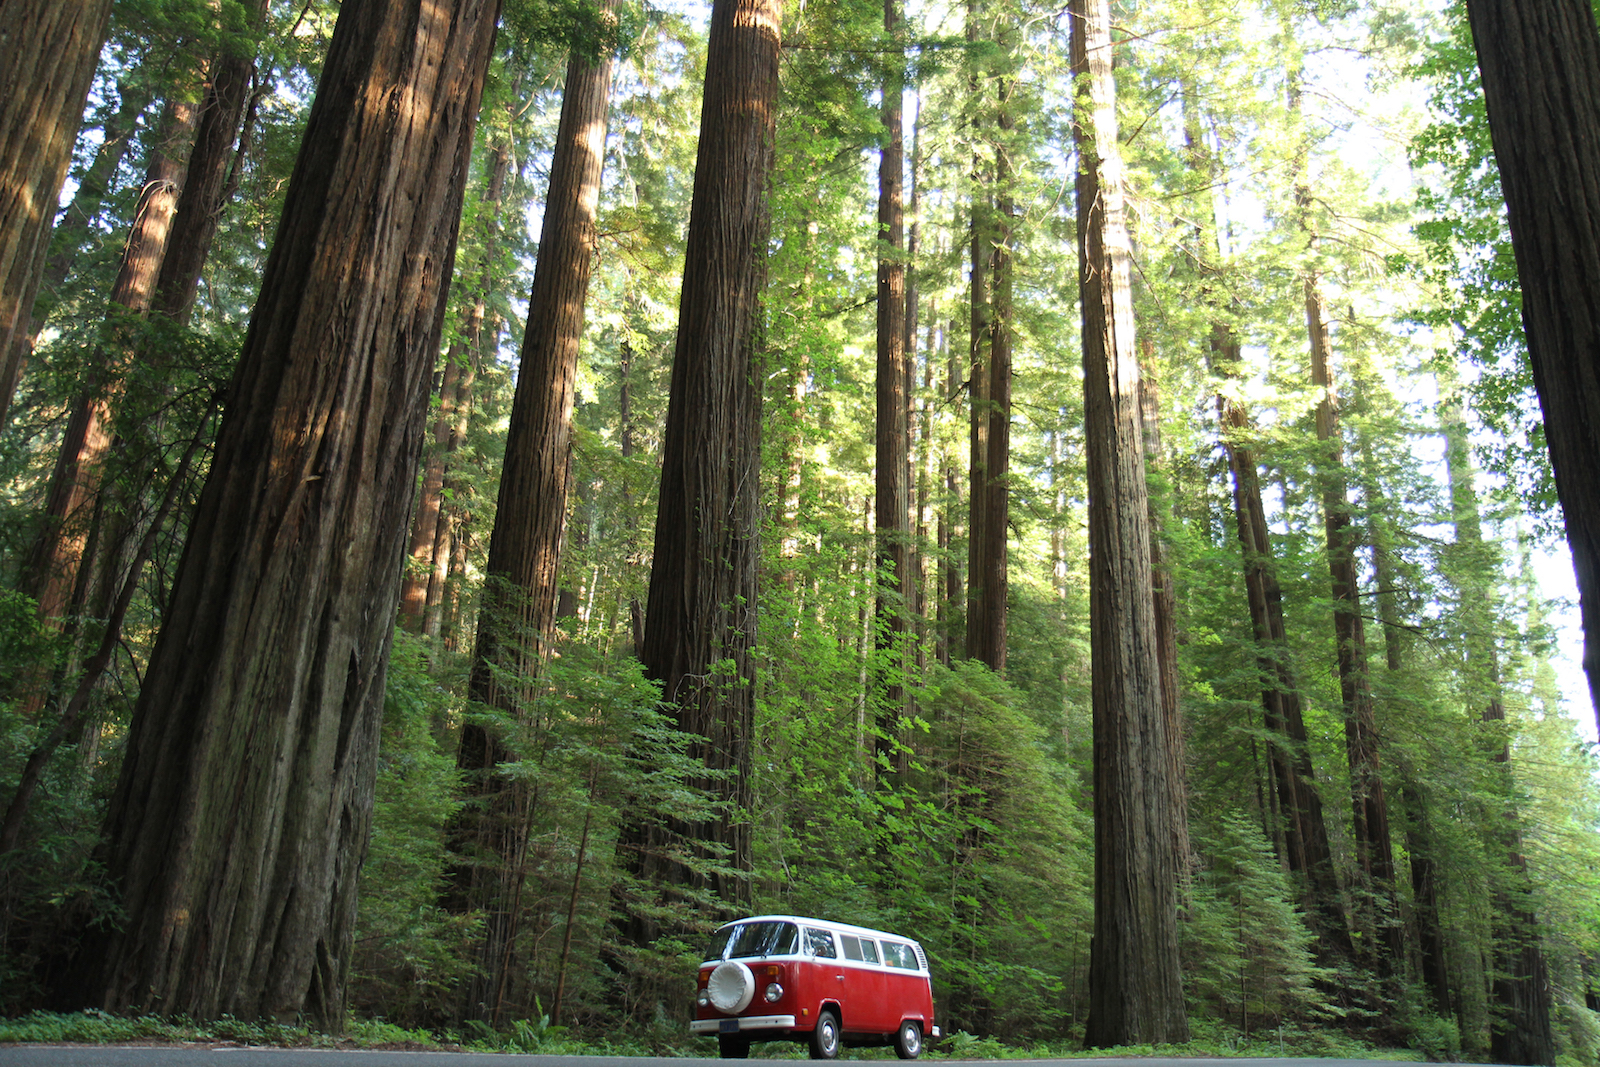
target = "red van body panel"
x: 875, y: 982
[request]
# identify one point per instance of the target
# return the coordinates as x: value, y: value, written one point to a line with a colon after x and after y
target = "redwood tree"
x: 240, y: 817
x: 517, y: 620
x: 1540, y: 61
x: 700, y: 615
x: 1135, y: 982
x: 48, y: 52
x: 896, y: 584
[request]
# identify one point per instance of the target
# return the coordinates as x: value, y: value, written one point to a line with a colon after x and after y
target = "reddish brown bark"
x: 516, y: 622
x: 422, y: 591
x: 72, y: 230
x: 892, y: 507
x: 47, y: 61
x: 240, y: 817
x: 205, y: 182
x: 701, y: 610
x: 59, y: 551
x: 1136, y: 989
x: 1164, y: 604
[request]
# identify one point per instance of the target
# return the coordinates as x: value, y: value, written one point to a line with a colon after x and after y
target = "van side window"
x: 869, y: 950
x: 852, y: 946
x: 896, y: 954
x: 820, y: 943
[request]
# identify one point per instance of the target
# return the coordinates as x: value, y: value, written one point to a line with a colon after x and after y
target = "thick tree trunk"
x: 701, y: 610
x: 1136, y: 988
x: 240, y: 818
x: 516, y: 622
x: 48, y: 53
x: 1540, y: 61
x: 896, y: 588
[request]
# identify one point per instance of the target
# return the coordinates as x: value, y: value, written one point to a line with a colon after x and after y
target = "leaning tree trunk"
x: 58, y: 552
x: 73, y: 228
x: 48, y: 53
x: 241, y: 814
x: 1540, y: 61
x: 701, y: 609
x: 1136, y: 987
x: 205, y: 186
x: 516, y: 622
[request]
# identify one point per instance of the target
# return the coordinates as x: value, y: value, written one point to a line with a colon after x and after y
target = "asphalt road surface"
x: 205, y: 1056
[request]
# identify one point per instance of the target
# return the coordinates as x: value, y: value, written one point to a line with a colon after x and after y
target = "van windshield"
x: 754, y: 939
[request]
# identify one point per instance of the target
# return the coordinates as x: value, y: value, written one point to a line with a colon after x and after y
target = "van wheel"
x: 908, y: 1042
x: 825, y: 1038
x: 733, y: 1046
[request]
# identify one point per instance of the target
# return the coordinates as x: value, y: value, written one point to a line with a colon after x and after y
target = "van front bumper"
x: 744, y: 1022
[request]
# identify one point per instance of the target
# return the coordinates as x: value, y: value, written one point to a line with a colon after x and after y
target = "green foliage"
x: 1248, y: 953
x: 410, y: 952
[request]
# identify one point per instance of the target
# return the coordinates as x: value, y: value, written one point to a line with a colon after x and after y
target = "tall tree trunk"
x: 423, y: 587
x: 241, y: 814
x: 892, y: 431
x: 205, y: 184
x: 1298, y: 799
x: 1540, y: 61
x: 949, y: 526
x: 1164, y: 604
x: 48, y: 54
x: 1376, y: 901
x: 58, y: 552
x: 516, y: 621
x: 72, y: 231
x: 1298, y: 830
x: 701, y: 611
x: 986, y: 612
x: 978, y: 340
x: 1136, y: 988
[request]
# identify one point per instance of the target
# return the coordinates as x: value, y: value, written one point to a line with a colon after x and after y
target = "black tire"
x: 733, y: 1046
x: 908, y: 1042
x: 825, y: 1040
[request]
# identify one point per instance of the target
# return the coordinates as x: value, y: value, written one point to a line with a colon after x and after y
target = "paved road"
x: 160, y: 1056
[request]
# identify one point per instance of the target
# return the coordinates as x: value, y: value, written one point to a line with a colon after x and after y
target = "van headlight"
x: 774, y: 992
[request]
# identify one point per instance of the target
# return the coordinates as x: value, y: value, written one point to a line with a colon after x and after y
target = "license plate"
x: 730, y: 1026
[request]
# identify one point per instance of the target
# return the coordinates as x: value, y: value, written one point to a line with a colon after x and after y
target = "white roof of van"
x: 847, y: 928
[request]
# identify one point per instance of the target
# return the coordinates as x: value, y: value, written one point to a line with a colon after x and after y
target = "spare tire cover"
x: 731, y: 987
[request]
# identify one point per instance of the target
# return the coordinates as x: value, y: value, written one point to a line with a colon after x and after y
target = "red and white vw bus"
x: 787, y: 978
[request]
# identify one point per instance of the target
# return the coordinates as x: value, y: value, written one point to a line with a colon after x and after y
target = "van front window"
x: 755, y: 939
